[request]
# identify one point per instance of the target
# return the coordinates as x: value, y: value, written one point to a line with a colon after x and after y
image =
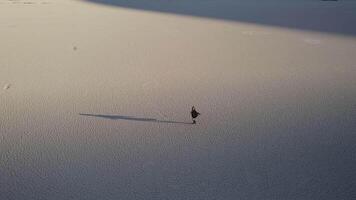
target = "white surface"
x: 278, y: 106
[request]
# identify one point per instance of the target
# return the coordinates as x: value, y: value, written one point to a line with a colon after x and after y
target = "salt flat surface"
x: 95, y: 101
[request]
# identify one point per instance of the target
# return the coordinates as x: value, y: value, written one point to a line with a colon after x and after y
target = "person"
x: 194, y: 114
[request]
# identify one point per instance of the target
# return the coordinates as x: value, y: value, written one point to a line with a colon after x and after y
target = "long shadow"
x: 131, y: 118
x: 315, y: 15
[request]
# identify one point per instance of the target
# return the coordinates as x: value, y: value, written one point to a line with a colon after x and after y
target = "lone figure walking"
x: 194, y: 114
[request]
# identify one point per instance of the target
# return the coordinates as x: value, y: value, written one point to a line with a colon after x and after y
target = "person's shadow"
x: 132, y: 118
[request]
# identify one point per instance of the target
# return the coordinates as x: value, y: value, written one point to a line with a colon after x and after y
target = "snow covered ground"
x: 95, y: 98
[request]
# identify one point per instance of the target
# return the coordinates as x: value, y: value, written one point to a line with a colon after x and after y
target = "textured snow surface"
x: 95, y: 101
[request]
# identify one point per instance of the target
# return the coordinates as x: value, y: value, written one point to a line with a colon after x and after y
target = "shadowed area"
x: 321, y: 16
x: 131, y: 118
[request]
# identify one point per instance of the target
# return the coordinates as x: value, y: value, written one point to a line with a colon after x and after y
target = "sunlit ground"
x: 95, y: 101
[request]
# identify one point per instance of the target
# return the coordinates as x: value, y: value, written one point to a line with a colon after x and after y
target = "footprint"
x: 7, y: 86
x: 255, y: 33
x: 149, y: 85
x: 312, y: 41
